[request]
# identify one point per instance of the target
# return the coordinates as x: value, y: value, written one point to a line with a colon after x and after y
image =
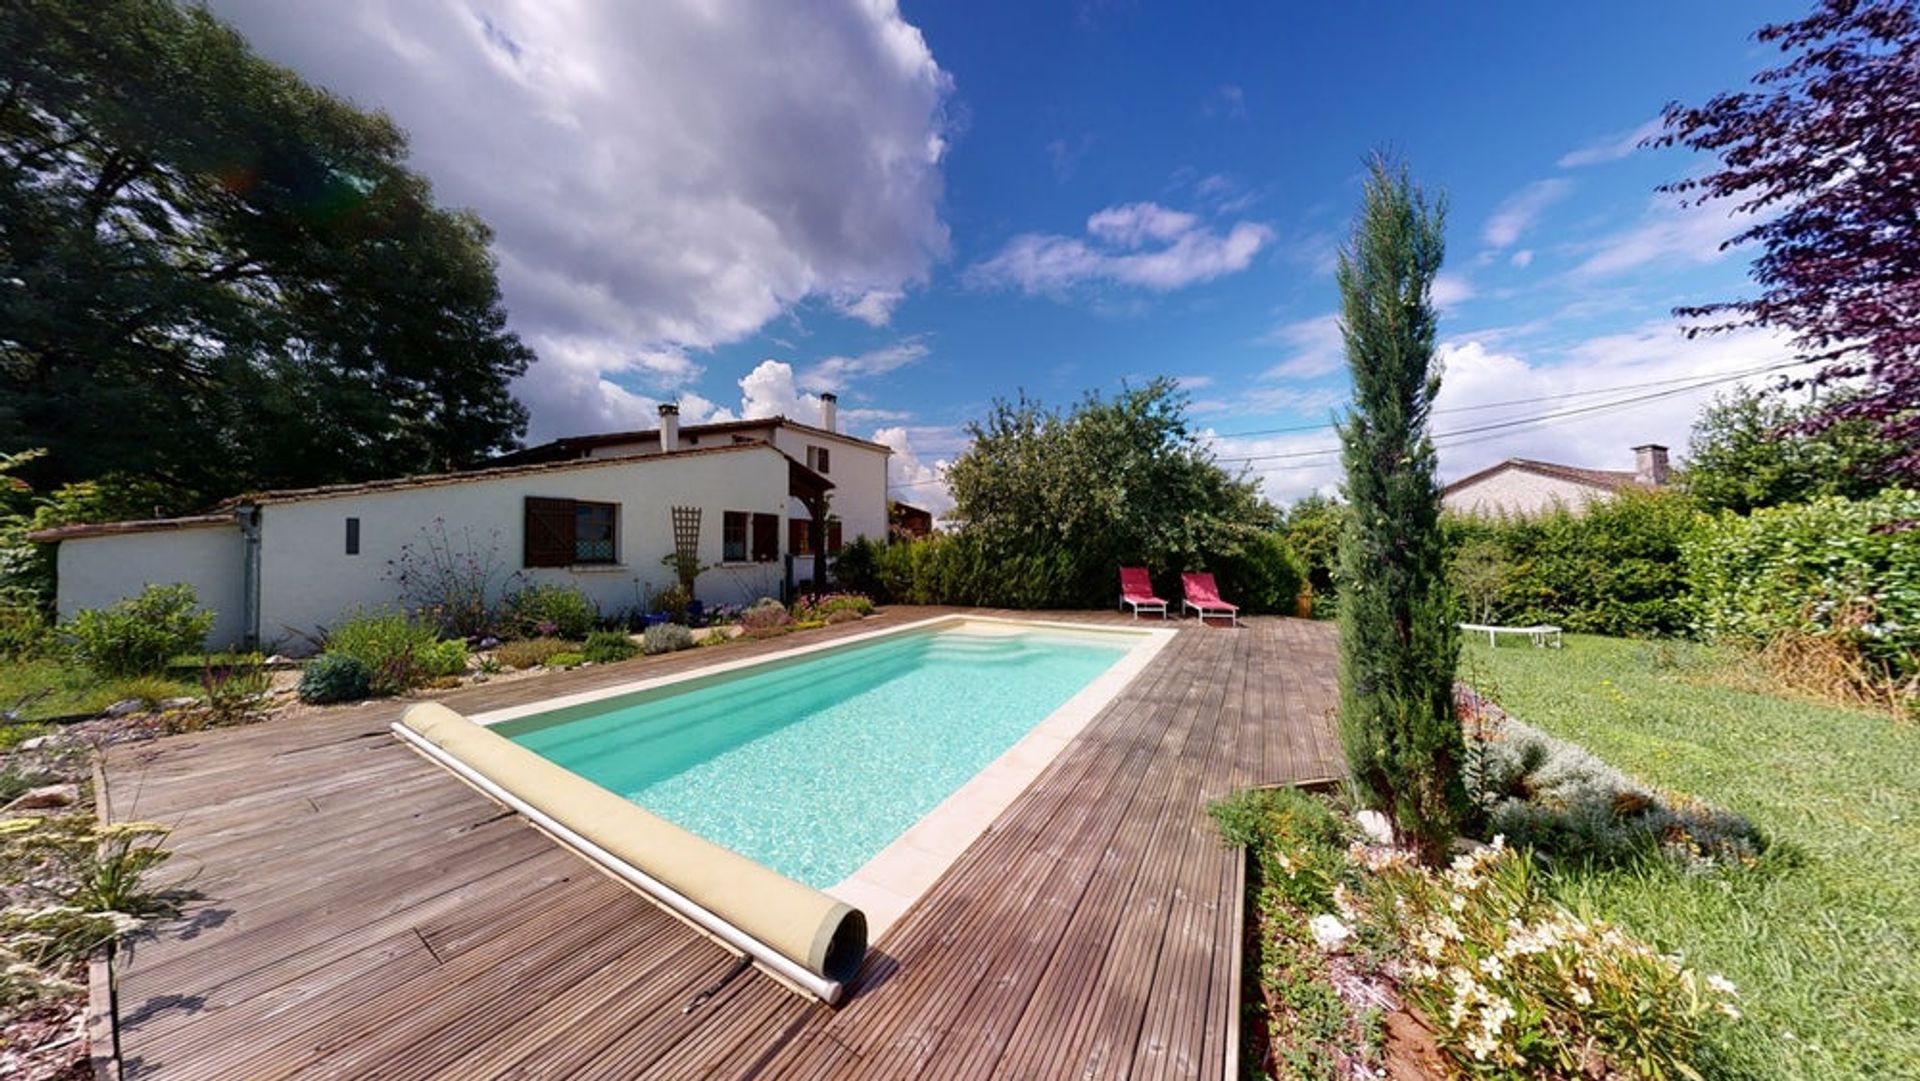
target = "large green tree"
x: 1398, y: 641
x: 215, y: 275
x: 1754, y: 449
x: 1116, y: 480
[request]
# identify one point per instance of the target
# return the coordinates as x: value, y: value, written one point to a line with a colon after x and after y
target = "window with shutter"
x: 833, y: 536
x: 818, y: 459
x: 766, y: 538
x: 798, y: 542
x: 549, y: 533
x: 595, y: 532
x: 733, y: 536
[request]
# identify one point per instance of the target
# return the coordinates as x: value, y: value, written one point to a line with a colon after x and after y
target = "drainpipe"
x: 248, y: 515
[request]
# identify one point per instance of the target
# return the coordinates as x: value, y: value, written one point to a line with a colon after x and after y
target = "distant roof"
x: 575, y: 446
x: 431, y: 480
x: 1612, y: 480
x: 143, y: 525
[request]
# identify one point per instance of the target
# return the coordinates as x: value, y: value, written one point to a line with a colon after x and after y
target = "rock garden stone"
x: 46, y: 797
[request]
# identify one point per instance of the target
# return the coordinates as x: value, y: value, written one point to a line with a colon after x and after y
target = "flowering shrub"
x: 1517, y: 986
x: 808, y: 609
x: 456, y: 583
x: 1513, y: 985
x: 550, y: 610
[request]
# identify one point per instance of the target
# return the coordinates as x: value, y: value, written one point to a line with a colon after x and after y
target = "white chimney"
x: 669, y: 427
x: 830, y: 411
x: 1650, y: 465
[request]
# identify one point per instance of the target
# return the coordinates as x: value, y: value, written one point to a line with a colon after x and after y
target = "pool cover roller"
x: 824, y: 937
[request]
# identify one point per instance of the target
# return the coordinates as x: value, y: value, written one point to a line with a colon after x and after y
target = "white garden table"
x: 1541, y: 634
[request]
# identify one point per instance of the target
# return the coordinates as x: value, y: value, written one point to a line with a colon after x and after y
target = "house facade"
x: 1523, y: 487
x: 599, y: 513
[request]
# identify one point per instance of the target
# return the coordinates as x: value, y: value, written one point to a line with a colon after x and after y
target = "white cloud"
x: 1143, y: 245
x: 1612, y: 147
x: 1314, y: 348
x: 1134, y: 224
x: 1522, y: 258
x: 1655, y: 361
x: 1521, y: 209
x: 1449, y: 290
x: 661, y: 179
x: 912, y: 479
x: 769, y: 390
x: 1667, y: 233
x: 836, y: 373
x: 873, y: 307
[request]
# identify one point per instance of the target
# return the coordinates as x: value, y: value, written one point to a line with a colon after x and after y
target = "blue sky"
x: 928, y: 207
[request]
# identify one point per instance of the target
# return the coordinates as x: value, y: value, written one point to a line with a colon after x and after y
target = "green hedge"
x: 1614, y: 569
x: 1833, y: 567
x: 1255, y: 569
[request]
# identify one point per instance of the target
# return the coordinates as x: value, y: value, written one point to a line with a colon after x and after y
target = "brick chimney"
x: 830, y: 411
x: 1650, y: 465
x: 669, y: 427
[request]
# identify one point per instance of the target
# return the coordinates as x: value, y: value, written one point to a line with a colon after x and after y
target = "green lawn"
x: 58, y: 687
x: 1824, y: 943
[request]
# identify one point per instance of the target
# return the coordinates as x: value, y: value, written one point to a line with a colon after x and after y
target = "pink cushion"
x: 1201, y: 589
x: 1135, y: 585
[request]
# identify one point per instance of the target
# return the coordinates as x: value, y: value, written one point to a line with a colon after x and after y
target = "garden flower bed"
x: 1365, y: 963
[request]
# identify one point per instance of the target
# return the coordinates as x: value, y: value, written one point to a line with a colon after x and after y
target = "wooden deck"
x: 364, y: 914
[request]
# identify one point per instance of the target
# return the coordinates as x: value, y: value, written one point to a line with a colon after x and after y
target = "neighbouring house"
x: 1523, y: 487
x: 597, y: 512
x: 908, y: 522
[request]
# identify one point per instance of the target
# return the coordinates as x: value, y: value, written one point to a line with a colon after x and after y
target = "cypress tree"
x: 1398, y: 640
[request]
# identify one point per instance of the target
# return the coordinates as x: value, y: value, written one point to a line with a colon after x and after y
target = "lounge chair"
x: 1136, y: 592
x: 1203, y: 596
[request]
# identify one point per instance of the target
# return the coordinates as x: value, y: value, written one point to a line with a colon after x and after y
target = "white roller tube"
x: 826, y: 988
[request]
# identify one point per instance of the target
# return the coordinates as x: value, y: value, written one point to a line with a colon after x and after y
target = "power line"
x: 1522, y: 422
x: 1588, y: 393
x: 1491, y: 430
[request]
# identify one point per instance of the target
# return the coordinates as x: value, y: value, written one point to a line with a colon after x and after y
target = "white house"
x: 596, y: 512
x: 1523, y: 486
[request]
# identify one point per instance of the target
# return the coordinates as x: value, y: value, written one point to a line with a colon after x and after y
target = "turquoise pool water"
x: 814, y: 764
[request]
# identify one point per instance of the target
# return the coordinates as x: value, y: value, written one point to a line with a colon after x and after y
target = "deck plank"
x: 364, y: 913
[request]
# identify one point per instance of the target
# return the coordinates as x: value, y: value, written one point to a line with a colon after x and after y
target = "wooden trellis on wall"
x: 686, y: 543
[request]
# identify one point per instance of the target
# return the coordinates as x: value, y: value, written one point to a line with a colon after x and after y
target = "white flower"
x: 1329, y: 933
x: 1722, y: 984
x: 1492, y: 966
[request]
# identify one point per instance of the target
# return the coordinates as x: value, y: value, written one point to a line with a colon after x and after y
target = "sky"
x: 923, y: 207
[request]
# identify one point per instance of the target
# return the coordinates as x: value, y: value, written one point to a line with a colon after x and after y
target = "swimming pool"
x: 813, y: 765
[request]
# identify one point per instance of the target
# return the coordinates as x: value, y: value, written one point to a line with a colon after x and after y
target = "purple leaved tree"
x: 1825, y: 152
